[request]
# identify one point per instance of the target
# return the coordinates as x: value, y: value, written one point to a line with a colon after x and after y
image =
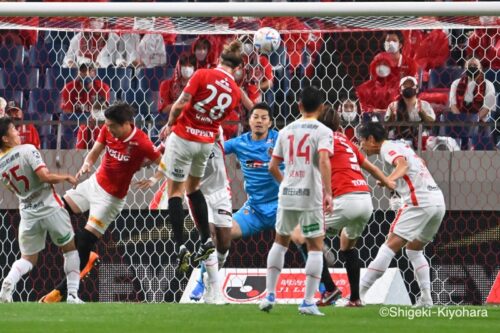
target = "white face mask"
x: 391, y: 47
x: 383, y: 70
x: 187, y: 71
x: 200, y: 54
x: 348, y: 116
x: 96, y: 24
x: 143, y: 23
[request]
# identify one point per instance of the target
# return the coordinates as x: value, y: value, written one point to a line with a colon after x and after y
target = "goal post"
x: 330, y: 45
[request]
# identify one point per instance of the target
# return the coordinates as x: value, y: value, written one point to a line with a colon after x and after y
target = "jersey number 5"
x: 19, y: 178
x: 303, y: 150
x: 224, y: 100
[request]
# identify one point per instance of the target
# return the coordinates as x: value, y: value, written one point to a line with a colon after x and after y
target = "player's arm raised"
x: 175, y: 112
x: 90, y: 159
x: 378, y: 174
x: 274, y: 168
x: 54, y: 178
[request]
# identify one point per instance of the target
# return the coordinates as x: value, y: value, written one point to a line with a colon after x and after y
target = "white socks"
x: 314, y: 266
x: 72, y: 270
x: 19, y: 268
x: 275, y: 262
x: 376, y: 268
x: 212, y: 267
x: 422, y: 272
x: 221, y: 257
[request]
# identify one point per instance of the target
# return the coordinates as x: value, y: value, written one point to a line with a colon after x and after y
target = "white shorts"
x: 220, y: 209
x: 33, y: 233
x: 351, y: 212
x: 311, y: 222
x: 418, y: 223
x: 104, y: 208
x: 183, y: 158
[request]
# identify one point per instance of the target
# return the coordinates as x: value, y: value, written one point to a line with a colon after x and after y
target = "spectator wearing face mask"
x: 409, y: 108
x: 171, y: 89
x: 94, y: 46
x: 472, y: 98
x: 27, y: 132
x: 142, y: 48
x: 349, y: 118
x: 376, y: 94
x: 203, y: 50
x: 393, y: 44
x: 78, y: 97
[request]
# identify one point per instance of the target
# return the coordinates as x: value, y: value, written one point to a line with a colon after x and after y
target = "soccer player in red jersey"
x: 126, y: 148
x: 193, y: 124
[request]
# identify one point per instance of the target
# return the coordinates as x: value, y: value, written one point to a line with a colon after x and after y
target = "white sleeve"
x: 427, y: 108
x: 131, y: 43
x: 109, y: 53
x: 490, y: 98
x: 453, y: 92
x: 325, y: 141
x: 74, y: 47
x: 389, y: 152
x: 33, y: 157
x: 278, y: 148
x: 160, y: 52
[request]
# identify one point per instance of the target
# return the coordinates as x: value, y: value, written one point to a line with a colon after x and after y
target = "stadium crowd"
x: 69, y: 76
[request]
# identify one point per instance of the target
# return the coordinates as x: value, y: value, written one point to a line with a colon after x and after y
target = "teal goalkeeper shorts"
x: 255, y: 218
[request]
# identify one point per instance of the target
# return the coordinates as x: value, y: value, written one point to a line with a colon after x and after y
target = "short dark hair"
x: 375, y: 129
x: 187, y: 59
x: 397, y: 33
x: 311, y: 98
x: 331, y: 118
x: 262, y: 106
x: 120, y: 113
x: 4, y: 128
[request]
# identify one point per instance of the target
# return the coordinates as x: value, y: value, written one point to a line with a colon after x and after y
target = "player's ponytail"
x: 231, y: 55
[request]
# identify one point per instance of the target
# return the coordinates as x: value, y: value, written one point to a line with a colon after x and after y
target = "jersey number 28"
x: 224, y: 100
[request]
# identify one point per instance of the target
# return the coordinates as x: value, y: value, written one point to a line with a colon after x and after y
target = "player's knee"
x: 68, y: 207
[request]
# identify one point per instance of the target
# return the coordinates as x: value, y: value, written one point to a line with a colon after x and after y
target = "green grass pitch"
x: 201, y: 318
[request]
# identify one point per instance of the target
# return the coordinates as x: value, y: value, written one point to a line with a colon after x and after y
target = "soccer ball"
x: 266, y: 40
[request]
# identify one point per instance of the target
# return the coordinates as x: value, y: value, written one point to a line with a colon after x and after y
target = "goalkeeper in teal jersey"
x: 254, y: 151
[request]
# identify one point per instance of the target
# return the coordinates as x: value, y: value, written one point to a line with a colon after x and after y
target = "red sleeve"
x: 361, y: 157
x: 268, y: 70
x: 149, y: 150
x: 102, y: 135
x: 104, y: 91
x: 164, y: 96
x: 66, y: 103
x: 35, y: 138
x: 193, y: 84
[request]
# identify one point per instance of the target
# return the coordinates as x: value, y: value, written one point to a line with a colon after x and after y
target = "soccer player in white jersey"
x: 305, y: 193
x: 417, y: 222
x: 25, y: 174
x: 215, y: 188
